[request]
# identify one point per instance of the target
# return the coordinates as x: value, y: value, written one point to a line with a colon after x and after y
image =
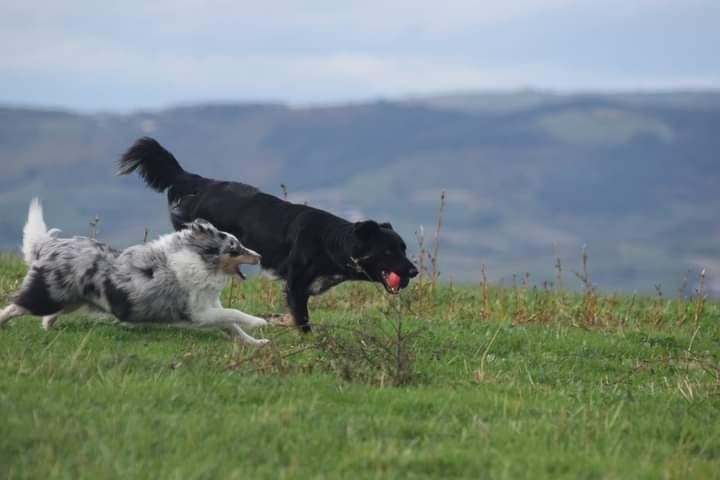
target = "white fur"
x: 10, y: 312
x: 193, y: 275
x: 206, y: 310
x: 179, y: 277
x: 35, y: 230
x: 49, y: 320
x: 227, y: 317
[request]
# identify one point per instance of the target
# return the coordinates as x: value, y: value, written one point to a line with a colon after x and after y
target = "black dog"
x: 311, y: 249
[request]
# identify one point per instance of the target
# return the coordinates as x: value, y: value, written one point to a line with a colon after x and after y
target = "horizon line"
x: 410, y: 97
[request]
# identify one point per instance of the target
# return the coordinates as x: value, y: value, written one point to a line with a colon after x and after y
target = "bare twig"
x: 658, y: 314
x: 681, y: 310
x: 93, y: 227
x: 436, y: 241
x: 420, y: 236
x: 558, y: 273
x: 485, y: 311
x: 699, y: 307
x: 590, y: 294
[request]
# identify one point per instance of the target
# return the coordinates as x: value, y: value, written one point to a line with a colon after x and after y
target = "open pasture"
x: 444, y: 381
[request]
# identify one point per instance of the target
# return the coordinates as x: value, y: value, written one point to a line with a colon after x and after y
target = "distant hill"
x: 632, y: 176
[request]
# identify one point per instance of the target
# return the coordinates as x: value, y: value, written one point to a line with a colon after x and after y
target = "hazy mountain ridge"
x: 633, y: 176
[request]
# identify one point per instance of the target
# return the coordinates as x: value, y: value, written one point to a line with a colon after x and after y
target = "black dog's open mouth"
x: 392, y: 287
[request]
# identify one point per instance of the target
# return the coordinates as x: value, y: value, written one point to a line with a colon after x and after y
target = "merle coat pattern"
x: 176, y: 279
x: 311, y: 249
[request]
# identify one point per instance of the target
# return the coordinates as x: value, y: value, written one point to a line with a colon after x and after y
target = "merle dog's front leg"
x: 297, y: 299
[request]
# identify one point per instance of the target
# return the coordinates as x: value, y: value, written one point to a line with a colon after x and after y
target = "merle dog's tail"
x: 156, y: 165
x: 35, y: 231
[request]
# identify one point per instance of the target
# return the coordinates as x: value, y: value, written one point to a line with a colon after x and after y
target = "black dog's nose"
x: 413, y: 272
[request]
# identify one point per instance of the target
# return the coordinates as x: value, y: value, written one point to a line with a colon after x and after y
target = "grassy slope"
x: 633, y: 176
x: 489, y: 399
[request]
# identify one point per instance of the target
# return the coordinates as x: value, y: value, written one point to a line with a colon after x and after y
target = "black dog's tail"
x: 156, y: 165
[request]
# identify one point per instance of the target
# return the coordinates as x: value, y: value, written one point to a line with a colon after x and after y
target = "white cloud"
x: 181, y: 15
x: 313, y: 78
x: 373, y: 15
x: 304, y: 52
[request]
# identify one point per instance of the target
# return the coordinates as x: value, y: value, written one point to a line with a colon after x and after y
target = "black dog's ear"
x: 387, y: 225
x: 364, y: 230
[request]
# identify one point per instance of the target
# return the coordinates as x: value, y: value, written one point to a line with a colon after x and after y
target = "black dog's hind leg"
x: 297, y: 300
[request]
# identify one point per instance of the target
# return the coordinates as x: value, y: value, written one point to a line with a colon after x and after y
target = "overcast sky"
x: 124, y: 55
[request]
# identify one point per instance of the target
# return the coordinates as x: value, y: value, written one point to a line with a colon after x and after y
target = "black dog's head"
x: 379, y: 252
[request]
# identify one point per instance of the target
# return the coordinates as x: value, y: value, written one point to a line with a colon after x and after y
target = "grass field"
x: 442, y: 382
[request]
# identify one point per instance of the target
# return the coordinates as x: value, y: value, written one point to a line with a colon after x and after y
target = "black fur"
x: 86, y: 281
x: 90, y: 290
x: 160, y: 173
x: 119, y: 300
x: 311, y: 249
x: 35, y: 297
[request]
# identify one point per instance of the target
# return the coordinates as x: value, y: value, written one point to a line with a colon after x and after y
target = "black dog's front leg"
x: 297, y: 299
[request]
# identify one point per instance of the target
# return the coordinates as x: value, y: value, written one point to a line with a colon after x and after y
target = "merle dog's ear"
x: 200, y: 225
x: 366, y: 229
x: 387, y: 225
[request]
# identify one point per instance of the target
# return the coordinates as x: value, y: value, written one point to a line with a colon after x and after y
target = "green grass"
x: 535, y: 390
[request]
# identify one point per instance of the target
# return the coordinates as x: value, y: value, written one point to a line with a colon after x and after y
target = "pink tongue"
x: 393, y: 280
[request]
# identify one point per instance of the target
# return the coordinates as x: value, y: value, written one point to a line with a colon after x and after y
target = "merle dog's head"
x: 379, y: 251
x: 221, y: 249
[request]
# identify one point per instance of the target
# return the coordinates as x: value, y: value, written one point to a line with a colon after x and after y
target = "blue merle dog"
x: 175, y: 280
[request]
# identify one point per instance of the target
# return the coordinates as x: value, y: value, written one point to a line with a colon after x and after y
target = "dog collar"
x: 355, y: 265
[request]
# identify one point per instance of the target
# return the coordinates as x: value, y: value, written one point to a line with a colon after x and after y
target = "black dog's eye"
x: 388, y: 252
